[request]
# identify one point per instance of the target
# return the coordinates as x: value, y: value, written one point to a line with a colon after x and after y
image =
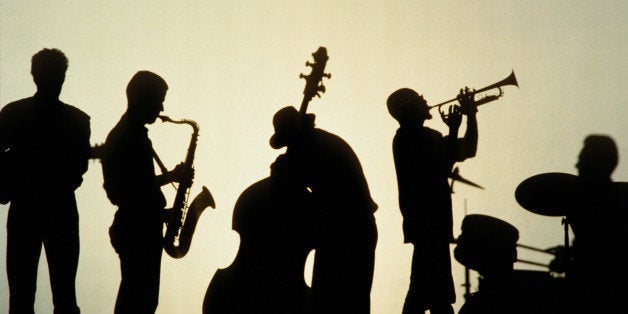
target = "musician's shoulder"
x: 432, y: 133
x: 76, y: 113
x: 18, y: 106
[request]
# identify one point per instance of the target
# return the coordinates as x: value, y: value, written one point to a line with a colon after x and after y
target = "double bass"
x: 274, y: 218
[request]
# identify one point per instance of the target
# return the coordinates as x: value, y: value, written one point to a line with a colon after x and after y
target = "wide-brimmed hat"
x: 288, y: 123
x: 404, y: 102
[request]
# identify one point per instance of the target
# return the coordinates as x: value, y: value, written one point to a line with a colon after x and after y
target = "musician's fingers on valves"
x: 182, y: 173
x: 467, y: 101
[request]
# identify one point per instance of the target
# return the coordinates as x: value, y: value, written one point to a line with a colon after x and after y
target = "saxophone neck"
x: 191, y: 123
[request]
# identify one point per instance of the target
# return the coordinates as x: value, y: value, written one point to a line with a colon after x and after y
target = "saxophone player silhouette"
x: 132, y: 185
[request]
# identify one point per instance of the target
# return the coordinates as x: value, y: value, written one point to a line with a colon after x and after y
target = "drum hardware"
x: 455, y: 176
x: 489, y: 246
x: 548, y: 194
x: 551, y: 194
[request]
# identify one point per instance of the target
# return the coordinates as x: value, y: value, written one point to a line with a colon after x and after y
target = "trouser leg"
x: 61, y: 243
x: 343, y: 275
x: 140, y: 266
x: 23, y: 251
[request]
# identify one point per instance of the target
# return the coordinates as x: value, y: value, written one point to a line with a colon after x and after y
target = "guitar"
x: 314, y: 81
x: 7, y: 173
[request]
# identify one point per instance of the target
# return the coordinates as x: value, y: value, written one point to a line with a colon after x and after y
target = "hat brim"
x: 276, y: 141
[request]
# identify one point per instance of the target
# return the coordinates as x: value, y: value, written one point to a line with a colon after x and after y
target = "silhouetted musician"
x: 599, y: 220
x: 423, y: 162
x: 47, y: 142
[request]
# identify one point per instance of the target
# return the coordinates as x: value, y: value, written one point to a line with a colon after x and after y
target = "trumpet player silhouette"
x: 132, y: 185
x: 423, y: 161
x: 44, y: 149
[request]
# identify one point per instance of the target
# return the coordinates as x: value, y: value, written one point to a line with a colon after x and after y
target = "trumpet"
x: 510, y: 80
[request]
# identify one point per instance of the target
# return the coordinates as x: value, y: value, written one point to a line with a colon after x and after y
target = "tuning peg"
x: 327, y: 75
x: 303, y: 76
x: 321, y: 88
x: 308, y: 64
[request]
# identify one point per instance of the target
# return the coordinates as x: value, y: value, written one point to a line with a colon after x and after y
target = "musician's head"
x: 407, y: 106
x: 598, y: 158
x: 145, y: 94
x: 48, y: 68
x: 289, y: 125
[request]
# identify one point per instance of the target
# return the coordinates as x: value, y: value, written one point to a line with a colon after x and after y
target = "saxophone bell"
x: 184, y: 224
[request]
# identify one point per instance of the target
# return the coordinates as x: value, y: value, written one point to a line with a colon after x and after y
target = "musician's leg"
x: 413, y: 303
x: 23, y: 251
x: 61, y: 241
x: 140, y: 265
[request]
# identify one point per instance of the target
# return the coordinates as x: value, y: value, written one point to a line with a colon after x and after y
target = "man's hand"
x: 467, y: 101
x: 182, y: 173
x: 453, y: 118
x: 173, y: 217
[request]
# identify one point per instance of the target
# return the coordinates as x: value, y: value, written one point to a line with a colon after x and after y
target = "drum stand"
x: 565, y: 223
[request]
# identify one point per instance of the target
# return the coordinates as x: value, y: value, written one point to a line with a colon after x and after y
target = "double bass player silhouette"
x: 320, y: 180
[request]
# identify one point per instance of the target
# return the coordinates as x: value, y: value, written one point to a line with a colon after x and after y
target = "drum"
x: 486, y: 244
x: 519, y: 292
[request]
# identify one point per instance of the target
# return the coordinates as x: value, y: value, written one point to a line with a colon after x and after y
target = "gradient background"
x: 231, y: 64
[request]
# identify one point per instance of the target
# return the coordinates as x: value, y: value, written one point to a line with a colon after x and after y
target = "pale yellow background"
x: 231, y: 64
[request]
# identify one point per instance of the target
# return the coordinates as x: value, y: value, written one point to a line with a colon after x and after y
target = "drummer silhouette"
x: 596, y: 209
x: 598, y: 221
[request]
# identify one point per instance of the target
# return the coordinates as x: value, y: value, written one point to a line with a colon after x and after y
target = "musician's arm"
x: 469, y: 143
x: 182, y: 173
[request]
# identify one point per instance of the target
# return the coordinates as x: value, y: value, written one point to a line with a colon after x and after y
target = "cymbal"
x: 548, y: 194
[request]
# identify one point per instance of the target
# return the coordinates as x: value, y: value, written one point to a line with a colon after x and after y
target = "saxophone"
x: 179, y: 233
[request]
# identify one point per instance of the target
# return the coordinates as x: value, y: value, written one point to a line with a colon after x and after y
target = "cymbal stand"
x: 467, y: 282
x: 565, y: 223
x: 567, y: 252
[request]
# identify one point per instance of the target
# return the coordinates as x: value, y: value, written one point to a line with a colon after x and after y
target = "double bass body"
x: 266, y: 276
